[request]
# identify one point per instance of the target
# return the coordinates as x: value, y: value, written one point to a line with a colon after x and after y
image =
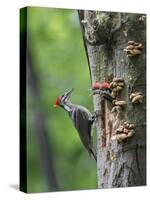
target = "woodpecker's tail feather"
x: 93, y: 152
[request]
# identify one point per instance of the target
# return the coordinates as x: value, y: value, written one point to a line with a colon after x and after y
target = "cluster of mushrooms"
x: 124, y: 131
x: 118, y: 105
x: 136, y: 97
x: 116, y: 85
x: 133, y: 48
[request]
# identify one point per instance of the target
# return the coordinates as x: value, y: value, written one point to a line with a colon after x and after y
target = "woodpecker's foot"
x: 93, y: 118
x: 95, y: 115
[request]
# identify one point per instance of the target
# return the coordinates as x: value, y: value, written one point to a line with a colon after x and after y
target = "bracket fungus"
x: 123, y: 132
x: 136, y: 97
x: 119, y: 103
x: 133, y: 48
x: 117, y: 85
x: 118, y: 106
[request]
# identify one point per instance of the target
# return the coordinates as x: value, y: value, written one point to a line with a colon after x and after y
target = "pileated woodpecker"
x: 82, y: 120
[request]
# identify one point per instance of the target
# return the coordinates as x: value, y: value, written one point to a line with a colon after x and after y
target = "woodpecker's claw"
x: 95, y: 116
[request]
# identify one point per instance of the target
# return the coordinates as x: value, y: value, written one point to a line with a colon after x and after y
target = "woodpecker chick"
x: 102, y: 86
x: 102, y: 89
x: 82, y: 120
x: 96, y: 85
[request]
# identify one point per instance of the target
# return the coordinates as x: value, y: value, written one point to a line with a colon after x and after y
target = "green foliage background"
x: 59, y: 61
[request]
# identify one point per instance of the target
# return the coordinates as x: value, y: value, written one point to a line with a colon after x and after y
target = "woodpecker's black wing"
x: 82, y: 120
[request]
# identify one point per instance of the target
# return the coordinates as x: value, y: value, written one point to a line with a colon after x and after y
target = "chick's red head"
x: 105, y: 85
x: 96, y: 85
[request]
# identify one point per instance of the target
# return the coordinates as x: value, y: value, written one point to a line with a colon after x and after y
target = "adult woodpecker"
x: 82, y: 120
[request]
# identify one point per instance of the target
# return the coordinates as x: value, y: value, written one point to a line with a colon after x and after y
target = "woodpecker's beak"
x: 68, y: 94
x: 61, y: 100
x: 55, y: 106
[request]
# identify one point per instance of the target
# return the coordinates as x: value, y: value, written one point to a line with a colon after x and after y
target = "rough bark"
x: 106, y: 34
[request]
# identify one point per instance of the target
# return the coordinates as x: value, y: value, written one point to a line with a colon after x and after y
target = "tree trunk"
x: 121, y: 155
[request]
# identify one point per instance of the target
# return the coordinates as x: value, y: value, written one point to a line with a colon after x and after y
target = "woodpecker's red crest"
x: 61, y: 100
x: 57, y: 101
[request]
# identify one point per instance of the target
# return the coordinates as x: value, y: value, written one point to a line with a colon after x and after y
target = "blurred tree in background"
x: 57, y: 63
